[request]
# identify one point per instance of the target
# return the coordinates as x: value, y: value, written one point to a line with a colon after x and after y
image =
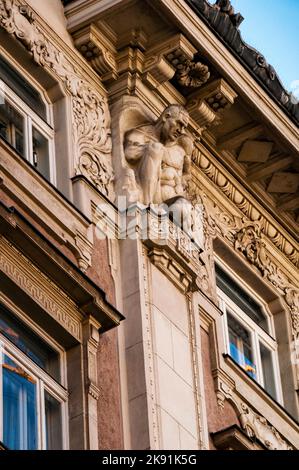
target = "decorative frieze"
x: 205, y: 163
x: 41, y: 289
x: 257, y: 427
x: 92, y: 143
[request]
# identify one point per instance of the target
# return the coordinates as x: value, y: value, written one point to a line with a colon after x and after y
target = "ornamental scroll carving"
x: 249, y: 241
x: 257, y: 427
x: 227, y: 187
x: 92, y: 141
x: 246, y: 237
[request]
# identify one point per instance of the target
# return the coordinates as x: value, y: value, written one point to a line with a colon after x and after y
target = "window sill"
x: 253, y: 384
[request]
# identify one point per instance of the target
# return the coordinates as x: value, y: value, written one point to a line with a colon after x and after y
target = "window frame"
x: 257, y: 333
x: 43, y: 381
x: 31, y: 119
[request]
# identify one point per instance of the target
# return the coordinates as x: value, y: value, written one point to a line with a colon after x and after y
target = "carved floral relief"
x: 91, y: 125
x: 257, y: 427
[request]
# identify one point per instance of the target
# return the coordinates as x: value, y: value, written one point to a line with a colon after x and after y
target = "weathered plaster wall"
x: 100, y: 271
x: 218, y: 418
x: 109, y: 405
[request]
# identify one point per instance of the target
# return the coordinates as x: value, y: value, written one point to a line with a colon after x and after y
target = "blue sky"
x: 272, y: 27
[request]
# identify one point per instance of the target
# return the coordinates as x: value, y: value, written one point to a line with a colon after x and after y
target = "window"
x: 32, y: 401
x: 24, y: 121
x: 248, y: 333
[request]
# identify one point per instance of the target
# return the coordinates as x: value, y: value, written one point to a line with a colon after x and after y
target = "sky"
x: 272, y: 27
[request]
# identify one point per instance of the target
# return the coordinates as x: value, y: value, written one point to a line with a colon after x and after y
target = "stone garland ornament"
x: 91, y: 124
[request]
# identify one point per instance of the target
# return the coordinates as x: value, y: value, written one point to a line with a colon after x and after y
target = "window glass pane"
x: 22, y: 88
x: 34, y: 347
x: 40, y: 153
x: 240, y: 345
x: 12, y: 126
x: 19, y: 407
x: 53, y: 422
x: 240, y: 297
x: 268, y: 372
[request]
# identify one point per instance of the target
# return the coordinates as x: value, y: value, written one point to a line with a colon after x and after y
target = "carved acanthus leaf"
x: 90, y: 110
x: 250, y: 211
x: 246, y: 237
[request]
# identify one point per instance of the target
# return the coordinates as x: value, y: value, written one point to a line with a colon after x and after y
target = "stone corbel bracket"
x: 98, y: 50
x: 207, y: 105
x: 162, y: 61
x: 172, y: 251
x: 82, y: 250
x: 255, y: 425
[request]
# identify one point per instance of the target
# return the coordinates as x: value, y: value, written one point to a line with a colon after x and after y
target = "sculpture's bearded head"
x: 174, y: 120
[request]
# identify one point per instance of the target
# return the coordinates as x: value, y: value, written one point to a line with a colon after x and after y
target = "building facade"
x: 149, y: 230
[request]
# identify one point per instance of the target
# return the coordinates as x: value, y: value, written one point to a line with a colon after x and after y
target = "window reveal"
x: 23, y: 121
x: 32, y: 403
x: 247, y: 332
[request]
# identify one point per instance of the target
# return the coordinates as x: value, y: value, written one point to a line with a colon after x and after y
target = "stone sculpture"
x: 159, y: 162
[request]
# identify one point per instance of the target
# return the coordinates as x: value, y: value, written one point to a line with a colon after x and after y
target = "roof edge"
x: 222, y: 19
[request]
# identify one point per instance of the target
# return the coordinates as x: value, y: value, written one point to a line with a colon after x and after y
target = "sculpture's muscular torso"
x: 160, y: 156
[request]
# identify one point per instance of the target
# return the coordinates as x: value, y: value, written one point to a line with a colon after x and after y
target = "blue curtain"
x: 19, y: 409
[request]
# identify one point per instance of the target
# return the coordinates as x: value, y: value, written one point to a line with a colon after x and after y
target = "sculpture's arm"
x: 187, y: 144
x: 134, y: 146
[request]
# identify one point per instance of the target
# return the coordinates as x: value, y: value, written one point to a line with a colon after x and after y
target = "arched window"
x: 25, y: 121
x: 32, y: 398
x: 249, y: 332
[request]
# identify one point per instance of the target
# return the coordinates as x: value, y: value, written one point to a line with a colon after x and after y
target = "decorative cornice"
x: 204, y: 161
x: 41, y: 289
x: 92, y: 144
x: 222, y: 19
